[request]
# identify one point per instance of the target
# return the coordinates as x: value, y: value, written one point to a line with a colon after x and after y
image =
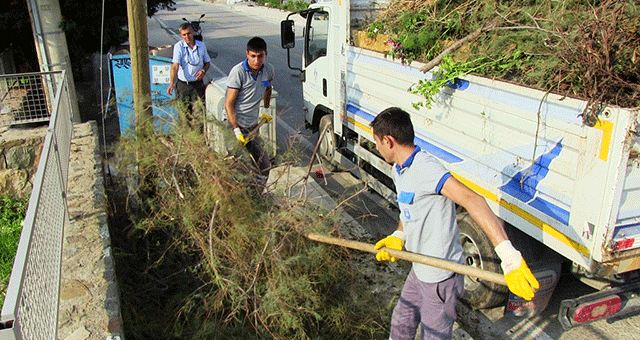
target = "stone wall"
x: 89, y: 305
x: 20, y: 150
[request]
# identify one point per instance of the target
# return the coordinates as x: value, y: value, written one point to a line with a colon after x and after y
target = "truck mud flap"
x: 619, y: 302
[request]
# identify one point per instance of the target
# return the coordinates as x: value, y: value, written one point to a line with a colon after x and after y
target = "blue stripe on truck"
x: 523, y: 186
x: 423, y: 144
x: 524, y: 191
x: 436, y: 151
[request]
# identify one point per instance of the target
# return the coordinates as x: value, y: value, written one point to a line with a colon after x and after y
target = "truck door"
x: 318, y: 76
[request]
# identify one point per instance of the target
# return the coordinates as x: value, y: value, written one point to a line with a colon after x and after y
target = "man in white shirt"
x: 190, y: 62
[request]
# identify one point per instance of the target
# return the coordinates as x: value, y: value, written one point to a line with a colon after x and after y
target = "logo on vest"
x: 407, y: 214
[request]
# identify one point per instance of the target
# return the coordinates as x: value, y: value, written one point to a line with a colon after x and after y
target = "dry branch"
x: 364, y: 188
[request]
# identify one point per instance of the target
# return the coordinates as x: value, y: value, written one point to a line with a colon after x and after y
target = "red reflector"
x: 624, y: 244
x: 597, y: 309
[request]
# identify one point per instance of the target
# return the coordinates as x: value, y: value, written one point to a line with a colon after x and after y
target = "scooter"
x: 196, y: 27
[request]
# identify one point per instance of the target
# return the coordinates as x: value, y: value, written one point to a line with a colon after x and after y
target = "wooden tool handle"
x: 413, y: 257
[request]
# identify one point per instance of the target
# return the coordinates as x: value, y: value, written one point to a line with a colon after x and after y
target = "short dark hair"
x: 394, y: 122
x: 256, y: 44
x: 185, y: 25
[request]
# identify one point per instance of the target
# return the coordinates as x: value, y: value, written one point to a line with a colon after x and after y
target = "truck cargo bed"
x: 573, y: 187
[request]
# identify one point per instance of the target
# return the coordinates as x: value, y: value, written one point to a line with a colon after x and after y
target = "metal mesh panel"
x: 63, y: 130
x: 26, y: 97
x: 38, y: 306
x: 30, y: 309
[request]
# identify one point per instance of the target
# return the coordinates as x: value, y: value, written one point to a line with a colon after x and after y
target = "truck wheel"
x: 478, y: 252
x: 327, y: 148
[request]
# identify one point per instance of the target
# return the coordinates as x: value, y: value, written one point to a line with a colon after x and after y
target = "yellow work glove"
x: 267, y: 117
x: 520, y: 280
x: 240, y: 136
x: 393, y: 241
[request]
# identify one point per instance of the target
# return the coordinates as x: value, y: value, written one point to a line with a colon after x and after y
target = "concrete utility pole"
x: 51, y: 44
x: 139, y: 48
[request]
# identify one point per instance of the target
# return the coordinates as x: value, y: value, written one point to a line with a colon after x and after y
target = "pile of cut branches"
x: 209, y: 256
x: 584, y: 49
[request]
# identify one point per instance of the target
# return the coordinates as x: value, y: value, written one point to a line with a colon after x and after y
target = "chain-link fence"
x: 26, y: 97
x: 30, y: 309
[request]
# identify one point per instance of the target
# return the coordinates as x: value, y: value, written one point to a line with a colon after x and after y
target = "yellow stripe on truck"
x: 528, y: 217
x: 607, y: 128
x: 360, y: 125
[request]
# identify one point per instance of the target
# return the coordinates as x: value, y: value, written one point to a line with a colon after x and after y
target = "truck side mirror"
x: 287, y: 34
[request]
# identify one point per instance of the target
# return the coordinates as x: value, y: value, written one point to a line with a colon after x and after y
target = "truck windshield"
x: 316, y: 42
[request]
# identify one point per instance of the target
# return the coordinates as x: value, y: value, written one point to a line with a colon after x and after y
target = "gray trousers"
x: 430, y: 305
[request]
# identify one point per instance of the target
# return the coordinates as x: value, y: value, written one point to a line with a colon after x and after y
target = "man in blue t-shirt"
x: 189, y: 64
x: 427, y: 197
x: 250, y: 82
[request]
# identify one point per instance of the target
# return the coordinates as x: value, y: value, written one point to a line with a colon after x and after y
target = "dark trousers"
x: 190, y: 90
x: 256, y: 149
x: 189, y: 93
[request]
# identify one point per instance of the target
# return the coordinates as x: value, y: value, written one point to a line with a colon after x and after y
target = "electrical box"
x: 164, y: 114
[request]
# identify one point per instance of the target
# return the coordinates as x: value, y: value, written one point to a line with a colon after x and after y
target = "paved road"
x: 226, y: 30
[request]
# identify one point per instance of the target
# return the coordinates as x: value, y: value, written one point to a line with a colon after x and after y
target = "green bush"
x: 295, y: 6
x: 270, y: 3
x: 11, y: 216
x: 291, y: 6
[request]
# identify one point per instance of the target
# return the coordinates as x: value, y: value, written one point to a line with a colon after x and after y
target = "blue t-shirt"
x: 428, y: 218
x: 191, y: 60
x: 250, y: 91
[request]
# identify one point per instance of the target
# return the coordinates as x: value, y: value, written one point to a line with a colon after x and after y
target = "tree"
x: 82, y: 24
x: 17, y: 36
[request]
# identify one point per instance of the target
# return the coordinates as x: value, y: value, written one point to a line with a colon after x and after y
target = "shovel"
x: 413, y: 257
x: 253, y: 133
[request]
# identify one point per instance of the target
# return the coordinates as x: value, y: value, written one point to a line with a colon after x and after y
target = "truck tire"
x: 478, y: 252
x: 327, y: 148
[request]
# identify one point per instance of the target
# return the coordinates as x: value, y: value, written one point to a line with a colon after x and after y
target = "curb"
x: 89, y: 303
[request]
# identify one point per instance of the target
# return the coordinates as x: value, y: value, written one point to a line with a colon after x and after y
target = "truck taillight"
x: 624, y: 244
x: 615, y: 302
x: 597, y: 309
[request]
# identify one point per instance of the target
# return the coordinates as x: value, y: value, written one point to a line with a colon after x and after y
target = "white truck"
x: 562, y: 186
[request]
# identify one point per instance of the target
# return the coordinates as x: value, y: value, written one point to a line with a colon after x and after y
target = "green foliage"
x: 295, y: 6
x: 446, y: 74
x: 415, y: 31
x: 208, y: 257
x: 585, y: 49
x: 449, y: 71
x: 374, y: 28
x: 290, y: 6
x: 269, y: 3
x: 11, y: 215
